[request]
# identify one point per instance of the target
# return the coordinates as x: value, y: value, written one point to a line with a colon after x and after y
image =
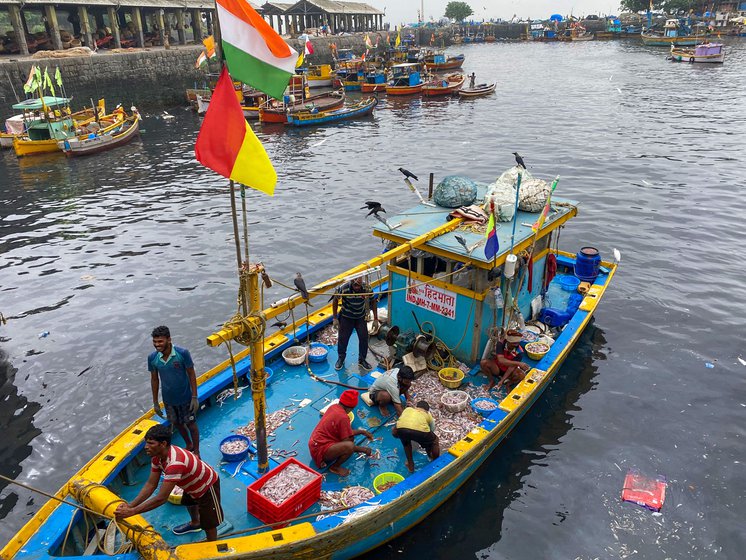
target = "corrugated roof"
x: 168, y: 4
x: 276, y: 8
x: 332, y: 7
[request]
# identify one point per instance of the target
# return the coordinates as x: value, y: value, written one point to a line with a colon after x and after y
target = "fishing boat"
x: 441, y: 312
x: 674, y: 33
x: 478, y: 90
x: 117, y: 132
x: 356, y: 110
x: 16, y: 125
x: 447, y: 85
x: 613, y: 29
x: 707, y: 53
x: 375, y: 81
x: 319, y: 75
x: 406, y: 79
x: 298, y: 98
x: 438, y: 62
x: 47, y: 120
x: 348, y: 69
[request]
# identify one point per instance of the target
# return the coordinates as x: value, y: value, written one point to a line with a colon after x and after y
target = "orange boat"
x: 444, y: 86
x: 297, y: 98
x: 405, y: 79
x: 437, y: 62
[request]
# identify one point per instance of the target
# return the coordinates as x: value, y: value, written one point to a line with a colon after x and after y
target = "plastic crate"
x: 266, y: 511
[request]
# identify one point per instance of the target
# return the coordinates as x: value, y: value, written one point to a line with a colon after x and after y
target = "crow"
x: 408, y: 173
x: 279, y: 324
x: 374, y: 207
x: 301, y: 285
x: 519, y: 160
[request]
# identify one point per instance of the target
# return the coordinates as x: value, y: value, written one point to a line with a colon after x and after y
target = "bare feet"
x: 367, y: 450
x: 410, y: 467
x: 383, y: 409
x: 341, y: 471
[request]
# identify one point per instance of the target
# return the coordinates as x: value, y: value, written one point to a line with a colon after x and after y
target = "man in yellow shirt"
x: 417, y: 424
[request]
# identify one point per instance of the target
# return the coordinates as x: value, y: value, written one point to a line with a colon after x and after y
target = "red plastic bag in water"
x: 646, y: 492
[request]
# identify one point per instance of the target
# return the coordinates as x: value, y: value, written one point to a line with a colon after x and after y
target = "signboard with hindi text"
x: 432, y: 298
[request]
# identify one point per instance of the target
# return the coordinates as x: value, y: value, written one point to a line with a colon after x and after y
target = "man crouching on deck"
x: 184, y: 469
x: 332, y: 441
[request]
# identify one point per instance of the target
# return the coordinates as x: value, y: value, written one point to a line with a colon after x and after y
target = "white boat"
x: 708, y: 53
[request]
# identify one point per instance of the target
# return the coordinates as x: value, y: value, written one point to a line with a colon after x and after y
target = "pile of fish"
x: 355, y: 495
x: 317, y: 351
x: 328, y: 336
x: 330, y: 499
x: 234, y: 446
x: 386, y: 485
x: 449, y: 426
x: 485, y: 404
x: 286, y: 483
x: 273, y: 421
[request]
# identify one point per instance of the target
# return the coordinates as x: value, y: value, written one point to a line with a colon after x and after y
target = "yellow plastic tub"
x: 450, y: 377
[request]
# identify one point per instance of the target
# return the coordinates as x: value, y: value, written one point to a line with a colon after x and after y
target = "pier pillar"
x: 180, y: 26
x: 53, y: 27
x: 161, y: 22
x: 114, y: 24
x: 137, y: 22
x: 197, y: 26
x: 15, y: 20
x: 85, y: 28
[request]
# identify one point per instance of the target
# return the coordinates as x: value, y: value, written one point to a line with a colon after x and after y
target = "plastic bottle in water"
x: 44, y: 334
x: 498, y: 298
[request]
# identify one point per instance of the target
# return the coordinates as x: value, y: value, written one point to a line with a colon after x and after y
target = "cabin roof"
x: 422, y: 219
x: 35, y: 104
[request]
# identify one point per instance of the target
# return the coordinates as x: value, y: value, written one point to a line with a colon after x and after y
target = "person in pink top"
x: 182, y: 468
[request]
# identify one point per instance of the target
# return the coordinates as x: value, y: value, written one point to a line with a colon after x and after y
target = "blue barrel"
x: 587, y: 262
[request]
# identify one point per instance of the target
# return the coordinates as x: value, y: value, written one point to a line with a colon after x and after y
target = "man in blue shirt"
x: 172, y: 369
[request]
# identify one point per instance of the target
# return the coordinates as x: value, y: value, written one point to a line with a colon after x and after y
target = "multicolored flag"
x: 432, y: 39
x: 308, y: 47
x: 255, y: 53
x: 209, y: 43
x: 398, y: 39
x: 368, y: 42
x: 492, y: 246
x: 201, y: 60
x: 227, y: 145
x: 31, y: 83
x: 545, y: 211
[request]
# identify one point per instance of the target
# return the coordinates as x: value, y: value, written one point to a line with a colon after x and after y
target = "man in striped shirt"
x: 356, y: 299
x: 184, y: 469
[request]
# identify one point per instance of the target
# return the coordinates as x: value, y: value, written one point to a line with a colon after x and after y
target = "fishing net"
x: 532, y: 197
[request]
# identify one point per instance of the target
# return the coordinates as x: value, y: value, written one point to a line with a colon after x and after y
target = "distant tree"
x: 635, y: 6
x: 458, y: 11
x: 678, y: 6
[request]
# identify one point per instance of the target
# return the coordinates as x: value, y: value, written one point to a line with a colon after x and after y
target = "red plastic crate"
x: 266, y: 511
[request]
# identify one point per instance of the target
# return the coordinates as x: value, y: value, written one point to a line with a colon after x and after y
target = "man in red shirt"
x: 332, y: 441
x: 198, y: 480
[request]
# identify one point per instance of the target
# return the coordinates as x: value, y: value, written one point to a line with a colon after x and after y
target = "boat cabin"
x: 47, y: 118
x: 407, y: 74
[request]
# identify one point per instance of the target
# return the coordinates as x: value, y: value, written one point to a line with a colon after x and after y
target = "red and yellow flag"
x: 227, y: 145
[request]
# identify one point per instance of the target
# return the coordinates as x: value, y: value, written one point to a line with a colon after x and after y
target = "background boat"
x: 477, y: 91
x: 118, y: 133
x: 707, y: 53
x: 359, y: 109
x: 448, y: 85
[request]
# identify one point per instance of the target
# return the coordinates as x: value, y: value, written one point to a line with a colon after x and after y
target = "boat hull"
x: 320, y: 82
x: 476, y: 92
x: 6, y: 140
x: 679, y: 55
x: 280, y: 114
x: 329, y: 117
x: 404, y: 90
x: 101, y: 143
x: 652, y: 41
x: 24, y: 147
x: 373, y: 88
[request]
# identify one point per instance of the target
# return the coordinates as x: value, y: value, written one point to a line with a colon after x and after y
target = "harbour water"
x: 98, y: 251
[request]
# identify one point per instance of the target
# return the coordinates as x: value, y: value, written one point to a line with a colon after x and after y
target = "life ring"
x: 691, y: 60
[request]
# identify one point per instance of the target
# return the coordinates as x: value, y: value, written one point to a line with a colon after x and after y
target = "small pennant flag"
x: 31, y: 83
x: 308, y: 48
x: 201, y: 60
x: 300, y: 60
x: 209, y: 43
x: 58, y: 76
x: 398, y: 39
x: 545, y: 211
x: 368, y: 42
x: 227, y: 145
x: 48, y: 82
x: 492, y: 246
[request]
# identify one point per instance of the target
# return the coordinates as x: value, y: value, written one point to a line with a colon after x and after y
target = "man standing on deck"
x: 332, y: 441
x: 172, y: 369
x: 198, y: 480
x: 357, y: 298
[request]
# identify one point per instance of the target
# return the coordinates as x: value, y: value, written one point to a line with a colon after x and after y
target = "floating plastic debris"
x: 647, y: 492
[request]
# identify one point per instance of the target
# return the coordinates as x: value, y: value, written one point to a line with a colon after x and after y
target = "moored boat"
x: 319, y: 75
x: 406, y: 79
x: 47, y: 120
x: 362, y: 108
x: 438, y: 62
x: 674, y: 33
x: 121, y: 131
x: 477, y: 91
x: 374, y: 81
x: 298, y: 98
x: 707, y: 53
x: 447, y: 85
x: 459, y: 308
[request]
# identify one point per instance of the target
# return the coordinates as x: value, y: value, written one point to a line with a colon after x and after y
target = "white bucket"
x: 509, y: 268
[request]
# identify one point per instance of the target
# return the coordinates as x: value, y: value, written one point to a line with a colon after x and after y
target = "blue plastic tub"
x: 270, y: 373
x: 321, y: 357
x: 569, y: 283
x: 483, y: 411
x: 235, y: 457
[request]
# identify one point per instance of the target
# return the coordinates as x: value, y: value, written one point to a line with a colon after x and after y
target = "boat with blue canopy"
x: 443, y: 302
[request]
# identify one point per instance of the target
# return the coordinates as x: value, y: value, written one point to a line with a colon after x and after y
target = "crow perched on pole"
x: 408, y: 174
x: 519, y: 160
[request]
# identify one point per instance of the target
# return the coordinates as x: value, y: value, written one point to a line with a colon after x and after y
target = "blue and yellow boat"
x: 438, y: 289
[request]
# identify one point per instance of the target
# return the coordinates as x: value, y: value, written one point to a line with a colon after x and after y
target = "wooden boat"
x: 316, y: 118
x: 319, y: 75
x: 297, y: 98
x: 405, y: 79
x: 375, y: 81
x: 348, y: 69
x: 440, y: 63
x: 613, y: 29
x: 47, y: 120
x: 295, y: 530
x: 477, y: 91
x: 17, y: 125
x: 118, y: 133
x: 583, y: 36
x: 673, y: 34
x: 448, y: 85
x: 708, y: 53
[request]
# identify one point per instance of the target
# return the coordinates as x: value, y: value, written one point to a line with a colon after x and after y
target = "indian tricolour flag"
x: 255, y: 53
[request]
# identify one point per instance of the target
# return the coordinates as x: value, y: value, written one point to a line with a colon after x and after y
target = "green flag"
x: 31, y: 83
x: 58, y: 76
x: 48, y: 82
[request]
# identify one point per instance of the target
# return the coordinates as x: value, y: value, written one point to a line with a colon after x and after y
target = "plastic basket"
x: 459, y: 406
x: 295, y: 355
x: 320, y: 357
x: 235, y: 457
x: 478, y: 405
x: 270, y: 374
x: 569, y: 283
x: 451, y: 377
x: 536, y: 350
x: 268, y: 512
x: 383, y: 478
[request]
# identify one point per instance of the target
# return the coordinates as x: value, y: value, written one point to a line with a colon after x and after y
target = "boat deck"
x: 290, y: 385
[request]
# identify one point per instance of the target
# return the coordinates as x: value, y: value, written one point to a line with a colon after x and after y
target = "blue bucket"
x: 587, y: 263
x: 569, y: 283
